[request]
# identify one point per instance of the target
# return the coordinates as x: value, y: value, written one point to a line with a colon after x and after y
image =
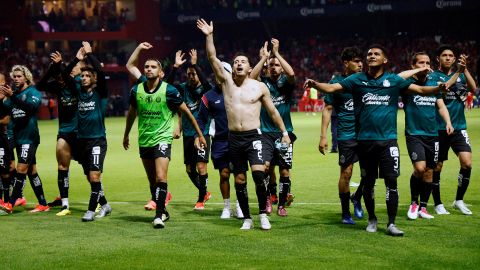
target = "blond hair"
x: 26, y: 72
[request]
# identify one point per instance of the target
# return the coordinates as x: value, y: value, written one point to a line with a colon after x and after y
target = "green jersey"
x: 376, y: 103
x: 192, y: 98
x: 155, y: 112
x: 281, y: 93
x: 420, y: 113
x: 24, y: 109
x: 343, y: 105
x: 453, y: 99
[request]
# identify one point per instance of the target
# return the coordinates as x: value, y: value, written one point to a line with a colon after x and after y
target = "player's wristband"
x: 285, y: 133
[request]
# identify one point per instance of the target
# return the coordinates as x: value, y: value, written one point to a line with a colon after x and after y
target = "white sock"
x: 65, y: 202
x: 226, y: 203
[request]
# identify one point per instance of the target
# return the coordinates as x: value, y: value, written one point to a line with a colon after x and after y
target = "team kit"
x: 242, y: 122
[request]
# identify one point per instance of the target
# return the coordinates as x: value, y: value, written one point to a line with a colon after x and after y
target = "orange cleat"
x: 168, y: 199
x: 207, y: 196
x: 7, y: 207
x: 21, y: 202
x: 40, y: 208
x: 56, y: 202
x: 151, y: 205
x: 199, y: 206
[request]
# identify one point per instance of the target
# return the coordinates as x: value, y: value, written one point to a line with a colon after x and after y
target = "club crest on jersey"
x: 394, y: 152
x: 386, y: 83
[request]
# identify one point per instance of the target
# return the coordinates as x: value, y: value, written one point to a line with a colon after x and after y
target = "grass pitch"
x: 311, y: 237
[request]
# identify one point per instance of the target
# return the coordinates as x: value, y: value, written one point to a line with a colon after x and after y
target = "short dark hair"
x: 413, y: 60
x: 156, y: 60
x: 444, y: 47
x: 241, y: 54
x: 87, y: 68
x: 378, y: 46
x: 350, y: 53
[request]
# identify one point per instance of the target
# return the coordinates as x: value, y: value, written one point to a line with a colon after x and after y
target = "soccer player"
x: 53, y: 82
x: 92, y: 141
x: 375, y: 95
x: 212, y: 108
x: 243, y: 100
x: 24, y: 102
x: 4, y: 150
x: 458, y: 140
x: 155, y: 102
x: 281, y: 84
x: 195, y: 160
x: 342, y: 104
x: 422, y: 136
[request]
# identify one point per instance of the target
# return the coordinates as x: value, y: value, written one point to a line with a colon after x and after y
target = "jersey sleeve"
x: 328, y: 99
x: 348, y: 83
x: 133, y: 97
x: 174, y: 99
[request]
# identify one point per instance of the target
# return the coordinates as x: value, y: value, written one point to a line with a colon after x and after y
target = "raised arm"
x: 257, y: 69
x: 133, y: 60
x: 471, y: 85
x: 207, y: 29
x: 179, y: 61
x: 287, y: 69
x: 274, y: 114
x: 443, y: 111
x: 409, y: 73
x: 426, y: 90
x: 53, y: 69
x: 323, y: 87
x: 326, y: 117
x: 97, y: 66
x: 201, y: 76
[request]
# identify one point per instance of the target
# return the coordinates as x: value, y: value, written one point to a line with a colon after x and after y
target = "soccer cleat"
x: 64, y: 212
x: 460, y: 205
x: 89, y: 216
x: 372, y: 226
x: 268, y: 208
x: 238, y: 211
x: 348, y: 220
x: 165, y: 216
x: 226, y: 213
x: 40, y: 208
x: 199, y: 206
x: 1, y: 202
x: 105, y: 210
x: 413, y: 211
x: 290, y: 198
x: 7, y: 207
x: 274, y: 199
x: 440, y: 210
x: 247, y: 224
x: 168, y: 199
x: 158, y: 223
x: 20, y: 202
x: 357, y: 208
x: 3, y: 213
x: 56, y: 202
x: 207, y: 196
x: 393, y: 230
x: 423, y: 213
x: 264, y: 222
x: 151, y: 205
x: 281, y: 211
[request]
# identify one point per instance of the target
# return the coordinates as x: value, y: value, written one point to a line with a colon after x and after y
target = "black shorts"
x: 72, y: 140
x: 375, y: 156
x: 11, y: 146
x: 245, y: 146
x: 92, y: 154
x: 192, y: 155
x: 220, y: 156
x: 4, y: 155
x: 347, y: 152
x: 161, y: 150
x: 423, y: 148
x: 26, y: 153
x: 272, y: 154
x: 458, y: 141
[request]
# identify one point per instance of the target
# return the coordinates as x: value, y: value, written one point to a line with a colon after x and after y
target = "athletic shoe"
x: 105, y: 210
x: 264, y: 222
x: 372, y: 226
x: 282, y: 211
x: 158, y: 223
x: 40, y: 208
x: 97, y: 210
x: 199, y: 206
x: 440, y: 210
x: 393, y: 230
x: 247, y: 224
x: 20, y: 202
x: 89, y: 216
x: 357, y: 208
x: 226, y: 213
x: 165, y: 216
x: 269, y: 209
x: 3, y: 213
x: 1, y: 202
x: 413, y: 211
x: 207, y: 196
x: 151, y: 205
x: 168, y: 199
x: 290, y: 198
x: 56, y: 202
x: 460, y: 205
x: 348, y: 220
x: 274, y: 199
x: 64, y: 212
x: 238, y: 211
x: 7, y: 207
x: 423, y: 213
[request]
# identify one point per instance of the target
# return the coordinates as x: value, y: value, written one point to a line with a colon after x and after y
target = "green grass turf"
x: 311, y: 237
